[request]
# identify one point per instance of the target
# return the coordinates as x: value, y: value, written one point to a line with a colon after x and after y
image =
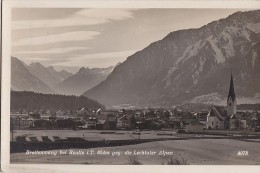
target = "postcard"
x: 131, y: 86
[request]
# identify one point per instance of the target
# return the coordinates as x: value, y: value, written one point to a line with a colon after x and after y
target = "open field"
x: 92, y: 135
x: 173, y: 151
x: 195, y: 151
x: 101, y: 135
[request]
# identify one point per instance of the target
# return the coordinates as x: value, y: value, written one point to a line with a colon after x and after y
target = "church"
x: 221, y: 118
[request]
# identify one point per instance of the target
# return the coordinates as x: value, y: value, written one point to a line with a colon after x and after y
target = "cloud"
x: 36, y: 59
x: 63, y: 37
x: 82, y: 17
x: 111, y: 31
x: 106, y: 55
x: 61, y: 50
x: 97, y: 59
x: 108, y: 14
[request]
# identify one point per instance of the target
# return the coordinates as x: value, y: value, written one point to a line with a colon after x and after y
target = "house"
x: 123, y: 122
x: 237, y: 122
x: 102, y: 121
x: 21, y: 120
x: 43, y: 113
x: 100, y: 124
x: 216, y: 118
x: 110, y: 122
x: 174, y: 122
x: 45, y: 117
x: 83, y: 112
x: 34, y: 115
x: 195, y: 126
x: 92, y: 122
x: 185, y: 120
x: 202, y: 117
x: 243, y: 124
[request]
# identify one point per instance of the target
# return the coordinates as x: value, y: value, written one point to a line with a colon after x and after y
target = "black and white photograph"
x: 135, y: 86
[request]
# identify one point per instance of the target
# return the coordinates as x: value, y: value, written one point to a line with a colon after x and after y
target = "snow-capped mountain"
x: 48, y: 75
x: 23, y: 80
x: 83, y: 80
x: 189, y: 63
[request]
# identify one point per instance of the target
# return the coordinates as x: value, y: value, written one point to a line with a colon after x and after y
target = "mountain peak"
x: 83, y: 70
x: 47, y: 74
x: 23, y: 80
x: 36, y: 64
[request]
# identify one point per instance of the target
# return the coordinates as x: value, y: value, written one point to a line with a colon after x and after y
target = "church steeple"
x: 231, y: 93
x: 231, y: 99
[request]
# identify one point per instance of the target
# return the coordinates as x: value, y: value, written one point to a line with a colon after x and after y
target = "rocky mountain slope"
x: 189, y: 63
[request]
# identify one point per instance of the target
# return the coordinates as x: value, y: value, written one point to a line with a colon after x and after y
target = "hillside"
x: 23, y: 80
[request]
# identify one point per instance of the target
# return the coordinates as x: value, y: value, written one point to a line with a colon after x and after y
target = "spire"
x: 231, y: 92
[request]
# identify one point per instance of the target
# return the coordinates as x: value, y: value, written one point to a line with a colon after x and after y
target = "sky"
x: 73, y: 38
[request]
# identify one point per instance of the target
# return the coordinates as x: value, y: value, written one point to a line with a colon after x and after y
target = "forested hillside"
x: 30, y: 101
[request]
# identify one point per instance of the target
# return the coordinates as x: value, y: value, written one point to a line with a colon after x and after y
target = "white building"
x: 215, y: 119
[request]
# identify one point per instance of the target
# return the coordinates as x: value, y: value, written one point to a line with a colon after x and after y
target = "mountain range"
x: 188, y: 64
x: 83, y: 80
x: 38, y: 78
x: 48, y: 75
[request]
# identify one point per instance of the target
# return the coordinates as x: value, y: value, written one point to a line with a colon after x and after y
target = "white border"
x: 6, y: 54
x: 133, y: 3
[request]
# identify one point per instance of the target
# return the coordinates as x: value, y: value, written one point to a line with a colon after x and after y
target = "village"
x: 216, y: 118
x: 153, y: 119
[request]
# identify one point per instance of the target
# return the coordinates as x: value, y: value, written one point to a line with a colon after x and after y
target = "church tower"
x: 231, y: 99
